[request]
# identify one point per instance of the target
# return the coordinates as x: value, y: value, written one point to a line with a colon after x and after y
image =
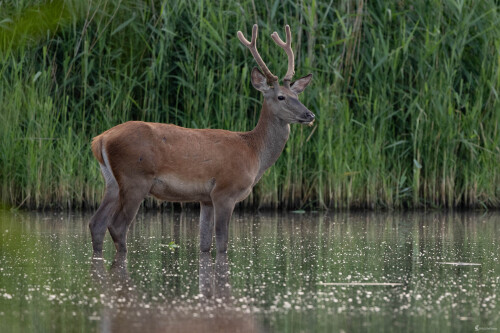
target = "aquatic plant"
x: 406, y: 95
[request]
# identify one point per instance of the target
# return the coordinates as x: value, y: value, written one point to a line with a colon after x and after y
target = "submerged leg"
x: 99, y: 222
x: 120, y: 223
x: 206, y: 225
x: 131, y: 196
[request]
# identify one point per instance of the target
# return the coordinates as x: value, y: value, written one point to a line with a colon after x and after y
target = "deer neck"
x: 268, y: 138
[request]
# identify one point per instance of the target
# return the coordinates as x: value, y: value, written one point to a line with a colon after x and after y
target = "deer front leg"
x: 206, y: 225
x: 223, y: 211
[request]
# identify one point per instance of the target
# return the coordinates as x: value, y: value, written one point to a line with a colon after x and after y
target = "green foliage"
x: 406, y: 95
x: 171, y: 246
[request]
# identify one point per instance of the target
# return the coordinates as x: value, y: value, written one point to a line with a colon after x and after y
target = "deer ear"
x: 301, y: 84
x: 259, y: 81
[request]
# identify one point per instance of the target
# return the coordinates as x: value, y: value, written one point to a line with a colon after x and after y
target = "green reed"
x: 406, y: 95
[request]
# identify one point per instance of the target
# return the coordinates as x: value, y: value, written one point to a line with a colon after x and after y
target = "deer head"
x: 283, y: 100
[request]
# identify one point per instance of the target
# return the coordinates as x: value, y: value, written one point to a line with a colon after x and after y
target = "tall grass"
x: 406, y: 95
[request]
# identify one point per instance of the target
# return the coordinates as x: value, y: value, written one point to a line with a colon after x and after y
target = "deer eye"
x: 281, y: 98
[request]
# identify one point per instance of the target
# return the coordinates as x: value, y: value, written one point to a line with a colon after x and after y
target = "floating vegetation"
x: 362, y: 284
x: 459, y: 263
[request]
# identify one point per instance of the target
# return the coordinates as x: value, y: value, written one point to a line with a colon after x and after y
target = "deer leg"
x: 99, y: 221
x: 120, y: 223
x: 223, y: 211
x: 206, y: 225
x: 131, y: 197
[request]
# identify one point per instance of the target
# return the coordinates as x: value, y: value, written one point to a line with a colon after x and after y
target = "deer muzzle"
x: 307, y: 118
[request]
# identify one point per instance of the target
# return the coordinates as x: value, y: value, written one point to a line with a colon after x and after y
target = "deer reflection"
x: 125, y: 308
x: 214, y: 285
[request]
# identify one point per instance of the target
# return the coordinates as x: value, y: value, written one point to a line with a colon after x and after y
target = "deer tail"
x: 97, y: 148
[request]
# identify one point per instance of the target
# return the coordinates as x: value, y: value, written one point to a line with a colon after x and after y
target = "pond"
x: 313, y: 272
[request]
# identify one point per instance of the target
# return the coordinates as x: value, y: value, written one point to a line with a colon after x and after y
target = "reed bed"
x: 405, y: 93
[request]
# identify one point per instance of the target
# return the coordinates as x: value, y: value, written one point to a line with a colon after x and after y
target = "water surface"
x: 283, y: 273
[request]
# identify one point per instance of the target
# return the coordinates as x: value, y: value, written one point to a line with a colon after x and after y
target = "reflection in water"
x: 126, y: 308
x: 215, y: 286
x: 427, y: 272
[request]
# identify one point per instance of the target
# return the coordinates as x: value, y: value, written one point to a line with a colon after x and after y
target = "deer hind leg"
x: 99, y: 222
x: 130, y: 198
x: 109, y: 205
x: 206, y: 225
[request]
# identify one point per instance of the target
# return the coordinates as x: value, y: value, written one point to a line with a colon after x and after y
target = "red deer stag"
x: 215, y: 167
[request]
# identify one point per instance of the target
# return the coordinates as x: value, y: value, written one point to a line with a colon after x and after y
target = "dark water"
x: 283, y: 273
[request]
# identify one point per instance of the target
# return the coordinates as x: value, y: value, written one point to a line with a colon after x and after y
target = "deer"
x: 215, y: 167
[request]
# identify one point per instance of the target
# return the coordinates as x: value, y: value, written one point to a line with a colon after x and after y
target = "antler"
x: 252, y: 46
x: 288, y: 49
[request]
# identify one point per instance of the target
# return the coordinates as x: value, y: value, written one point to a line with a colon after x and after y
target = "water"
x: 283, y: 273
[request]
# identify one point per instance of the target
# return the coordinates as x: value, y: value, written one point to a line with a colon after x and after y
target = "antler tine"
x: 252, y: 46
x: 288, y: 49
